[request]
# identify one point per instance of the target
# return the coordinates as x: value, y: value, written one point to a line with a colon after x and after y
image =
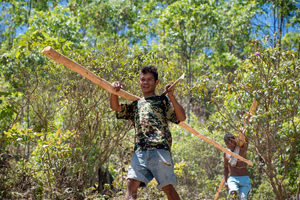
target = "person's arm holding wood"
x: 180, y: 113
x: 114, y: 99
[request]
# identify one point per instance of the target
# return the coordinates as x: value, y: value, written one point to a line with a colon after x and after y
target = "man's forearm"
x: 114, y: 102
x: 225, y: 176
x: 180, y: 113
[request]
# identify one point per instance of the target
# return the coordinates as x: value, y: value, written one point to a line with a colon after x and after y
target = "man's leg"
x: 233, y: 187
x: 171, y: 192
x: 233, y: 195
x: 245, y: 187
x: 132, y: 188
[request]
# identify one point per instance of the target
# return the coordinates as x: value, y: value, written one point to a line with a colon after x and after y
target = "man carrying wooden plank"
x: 150, y: 116
x: 58, y: 57
x: 239, y: 180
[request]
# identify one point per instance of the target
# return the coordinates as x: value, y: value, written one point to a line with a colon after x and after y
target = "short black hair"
x: 228, y: 136
x: 150, y: 69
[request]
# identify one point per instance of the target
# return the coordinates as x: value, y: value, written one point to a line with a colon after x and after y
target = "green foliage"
x: 183, y: 21
x: 58, y: 24
x: 264, y: 191
x: 16, y: 15
x: 45, y: 161
x: 292, y: 41
x: 8, y: 105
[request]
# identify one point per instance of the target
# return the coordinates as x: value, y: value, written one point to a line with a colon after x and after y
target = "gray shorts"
x: 158, y: 164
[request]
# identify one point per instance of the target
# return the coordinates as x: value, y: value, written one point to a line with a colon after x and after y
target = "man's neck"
x: 148, y: 94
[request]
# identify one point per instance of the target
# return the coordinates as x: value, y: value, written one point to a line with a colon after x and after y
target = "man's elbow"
x: 116, y: 108
x: 112, y: 107
x: 183, y: 118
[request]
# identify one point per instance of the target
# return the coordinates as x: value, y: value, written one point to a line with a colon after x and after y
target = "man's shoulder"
x: 226, y: 156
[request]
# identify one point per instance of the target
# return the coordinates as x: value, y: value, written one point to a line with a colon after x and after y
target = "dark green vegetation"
x: 56, y: 127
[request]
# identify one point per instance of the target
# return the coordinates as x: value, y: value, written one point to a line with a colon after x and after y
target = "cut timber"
x: 217, y: 145
x: 220, y: 188
x: 54, y: 55
x: 241, y: 138
x: 173, y: 85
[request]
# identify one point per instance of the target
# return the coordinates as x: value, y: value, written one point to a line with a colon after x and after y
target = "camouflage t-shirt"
x: 150, y: 118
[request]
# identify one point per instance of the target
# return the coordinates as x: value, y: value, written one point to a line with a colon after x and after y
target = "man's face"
x: 231, y: 143
x: 148, y: 84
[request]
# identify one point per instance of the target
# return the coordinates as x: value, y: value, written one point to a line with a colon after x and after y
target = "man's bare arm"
x: 180, y: 113
x: 226, y: 171
x: 114, y: 99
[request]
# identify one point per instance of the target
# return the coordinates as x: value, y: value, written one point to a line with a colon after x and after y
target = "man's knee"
x: 168, y: 189
x: 132, y: 184
x: 132, y: 187
x: 171, y: 192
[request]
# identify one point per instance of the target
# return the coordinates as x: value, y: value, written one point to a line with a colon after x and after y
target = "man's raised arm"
x: 114, y: 99
x: 180, y: 113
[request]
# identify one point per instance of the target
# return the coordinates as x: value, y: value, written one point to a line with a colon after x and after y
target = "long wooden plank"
x: 220, y: 188
x: 217, y: 145
x: 173, y: 85
x: 58, y: 57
